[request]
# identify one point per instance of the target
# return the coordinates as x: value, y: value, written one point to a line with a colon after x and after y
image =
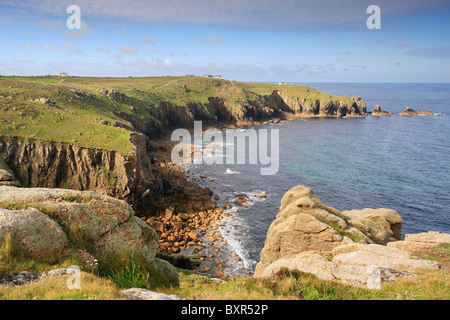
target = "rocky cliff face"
x: 36, y: 163
x: 56, y: 165
x: 219, y: 111
x: 348, y: 247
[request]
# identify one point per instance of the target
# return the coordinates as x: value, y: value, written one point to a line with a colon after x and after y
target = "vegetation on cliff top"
x: 84, y: 110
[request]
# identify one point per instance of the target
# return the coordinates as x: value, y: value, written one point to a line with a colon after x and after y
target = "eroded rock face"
x: 7, y: 177
x: 380, y: 225
x: 348, y: 247
x: 58, y: 165
x: 57, y: 222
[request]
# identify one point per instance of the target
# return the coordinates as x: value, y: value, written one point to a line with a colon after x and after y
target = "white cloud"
x: 148, y: 41
x: 103, y: 49
x: 212, y: 40
x: 69, y: 47
x: 128, y: 49
x: 259, y: 13
x: 168, y: 63
x: 50, y: 24
x: 24, y: 45
x: 77, y: 34
x: 46, y: 46
x: 404, y: 43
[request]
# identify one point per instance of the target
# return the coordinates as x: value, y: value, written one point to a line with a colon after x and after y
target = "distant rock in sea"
x: 378, y: 112
x: 411, y: 112
x: 350, y: 247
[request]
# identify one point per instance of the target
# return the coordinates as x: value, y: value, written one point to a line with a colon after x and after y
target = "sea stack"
x: 378, y: 112
x: 411, y: 112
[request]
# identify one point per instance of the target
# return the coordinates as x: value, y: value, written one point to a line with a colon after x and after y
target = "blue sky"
x: 250, y: 40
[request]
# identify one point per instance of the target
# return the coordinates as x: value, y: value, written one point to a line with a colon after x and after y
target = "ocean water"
x: 402, y: 163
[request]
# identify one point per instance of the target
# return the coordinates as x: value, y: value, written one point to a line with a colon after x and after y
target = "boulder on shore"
x: 50, y: 224
x: 348, y: 247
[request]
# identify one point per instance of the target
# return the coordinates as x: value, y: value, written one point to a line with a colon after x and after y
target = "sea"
x: 396, y: 162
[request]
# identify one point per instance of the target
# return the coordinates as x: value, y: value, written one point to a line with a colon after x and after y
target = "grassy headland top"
x: 96, y: 112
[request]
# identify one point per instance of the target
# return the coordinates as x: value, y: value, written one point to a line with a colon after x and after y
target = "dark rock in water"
x: 411, y: 112
x: 378, y: 112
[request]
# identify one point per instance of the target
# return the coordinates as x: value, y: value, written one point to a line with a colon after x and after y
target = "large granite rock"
x: 40, y: 236
x: 46, y: 223
x: 348, y: 247
x: 380, y: 225
x: 421, y: 241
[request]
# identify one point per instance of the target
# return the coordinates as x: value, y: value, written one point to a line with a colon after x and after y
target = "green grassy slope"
x: 79, y: 113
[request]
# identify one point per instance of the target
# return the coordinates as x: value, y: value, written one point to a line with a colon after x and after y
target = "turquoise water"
x: 402, y: 163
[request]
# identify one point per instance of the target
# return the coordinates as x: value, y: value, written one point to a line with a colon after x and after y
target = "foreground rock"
x: 419, y: 242
x: 378, y: 112
x: 143, y: 294
x: 49, y: 224
x: 26, y: 277
x: 348, y: 247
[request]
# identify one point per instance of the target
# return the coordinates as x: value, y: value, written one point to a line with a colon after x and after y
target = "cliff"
x: 96, y: 133
x: 35, y: 163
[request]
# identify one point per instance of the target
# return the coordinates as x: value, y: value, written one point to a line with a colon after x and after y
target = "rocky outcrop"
x: 58, y: 165
x: 7, y: 177
x: 49, y: 224
x: 411, y: 112
x: 378, y: 112
x: 26, y: 277
x: 348, y: 247
x: 421, y: 241
x: 379, y: 225
x: 144, y: 294
x: 319, y: 108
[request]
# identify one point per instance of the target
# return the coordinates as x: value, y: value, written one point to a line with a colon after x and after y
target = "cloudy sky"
x: 245, y: 40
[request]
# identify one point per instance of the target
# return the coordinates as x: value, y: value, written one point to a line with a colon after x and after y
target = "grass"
x: 92, y: 288
x: 131, y: 272
x: 13, y: 259
x: 294, y: 285
x: 344, y: 233
x: 286, y: 285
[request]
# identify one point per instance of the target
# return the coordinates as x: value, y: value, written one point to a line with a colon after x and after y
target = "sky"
x: 243, y: 40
